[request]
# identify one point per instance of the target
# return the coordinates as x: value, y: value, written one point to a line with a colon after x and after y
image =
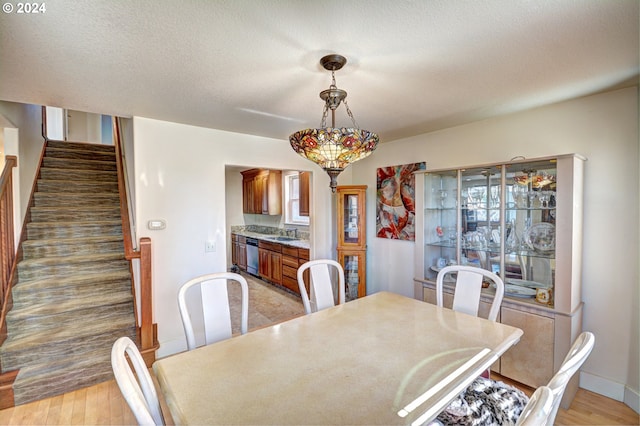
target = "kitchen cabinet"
x: 304, y: 193
x: 270, y: 261
x: 352, y: 244
x: 521, y: 219
x: 292, y: 259
x: 239, y: 251
x: 262, y: 191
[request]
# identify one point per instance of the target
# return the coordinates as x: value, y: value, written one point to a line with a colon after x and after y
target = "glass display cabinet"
x: 522, y: 220
x: 352, y: 243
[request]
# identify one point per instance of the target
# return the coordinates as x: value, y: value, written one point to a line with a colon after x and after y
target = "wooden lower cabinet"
x: 270, y: 261
x: 521, y: 363
x: 239, y: 251
x: 292, y: 258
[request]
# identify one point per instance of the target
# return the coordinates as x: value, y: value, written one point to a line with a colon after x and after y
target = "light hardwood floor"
x: 103, y: 404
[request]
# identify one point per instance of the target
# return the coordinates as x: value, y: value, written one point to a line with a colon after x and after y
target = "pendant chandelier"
x: 333, y: 148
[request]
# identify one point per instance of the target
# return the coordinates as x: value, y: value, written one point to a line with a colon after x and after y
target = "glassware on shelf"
x: 519, y: 196
x: 541, y: 237
x: 443, y: 194
x: 544, y: 197
x: 512, y: 243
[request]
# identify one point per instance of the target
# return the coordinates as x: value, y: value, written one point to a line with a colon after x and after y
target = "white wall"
x: 604, y: 128
x: 27, y: 119
x: 180, y: 178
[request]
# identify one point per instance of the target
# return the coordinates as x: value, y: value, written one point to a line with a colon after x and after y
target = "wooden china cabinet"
x: 352, y: 244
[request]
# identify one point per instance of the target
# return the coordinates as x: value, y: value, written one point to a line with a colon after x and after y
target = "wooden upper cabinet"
x: 262, y: 191
x: 304, y: 193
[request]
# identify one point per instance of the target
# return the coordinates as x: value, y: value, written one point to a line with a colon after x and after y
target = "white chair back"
x: 538, y: 409
x: 215, y: 307
x: 321, y: 284
x: 140, y: 394
x: 536, y: 269
x: 576, y: 356
x: 466, y: 298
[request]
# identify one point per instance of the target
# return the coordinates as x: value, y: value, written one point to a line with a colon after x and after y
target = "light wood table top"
x: 382, y: 359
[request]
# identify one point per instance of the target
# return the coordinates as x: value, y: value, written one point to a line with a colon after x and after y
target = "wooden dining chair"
x: 468, y: 286
x: 321, y: 284
x: 140, y: 394
x: 215, y: 307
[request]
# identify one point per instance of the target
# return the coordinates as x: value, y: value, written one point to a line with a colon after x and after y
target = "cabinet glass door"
x: 481, y: 236
x: 354, y: 273
x: 350, y: 219
x: 530, y: 222
x: 441, y: 221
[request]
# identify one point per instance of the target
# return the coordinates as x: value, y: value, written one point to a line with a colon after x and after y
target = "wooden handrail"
x: 144, y: 321
x: 129, y: 251
x: 7, y: 235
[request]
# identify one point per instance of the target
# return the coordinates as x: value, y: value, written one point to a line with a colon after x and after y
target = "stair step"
x: 42, y: 308
x: 33, y: 343
x: 74, y: 229
x: 49, y: 326
x: 70, y: 286
x: 46, y: 380
x: 29, y: 269
x: 72, y: 246
x: 73, y: 297
x: 50, y: 185
x: 79, y: 154
x: 62, y: 163
x: 60, y: 199
x: 78, y: 174
x: 79, y: 214
x: 81, y: 146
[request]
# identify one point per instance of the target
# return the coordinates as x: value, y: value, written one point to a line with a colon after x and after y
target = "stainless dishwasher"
x: 252, y: 256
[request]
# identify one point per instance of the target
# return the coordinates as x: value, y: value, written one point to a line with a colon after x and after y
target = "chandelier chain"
x: 350, y: 114
x: 325, y: 111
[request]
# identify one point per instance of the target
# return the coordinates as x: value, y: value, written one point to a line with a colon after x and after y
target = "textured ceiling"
x: 252, y: 66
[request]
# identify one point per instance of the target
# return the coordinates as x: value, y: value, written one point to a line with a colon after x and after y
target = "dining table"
x: 382, y: 359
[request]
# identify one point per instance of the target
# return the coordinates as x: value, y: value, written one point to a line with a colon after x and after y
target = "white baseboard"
x: 610, y: 389
x: 602, y: 386
x: 632, y: 399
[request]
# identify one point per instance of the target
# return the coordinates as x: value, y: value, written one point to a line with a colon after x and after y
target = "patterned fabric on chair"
x: 484, y: 402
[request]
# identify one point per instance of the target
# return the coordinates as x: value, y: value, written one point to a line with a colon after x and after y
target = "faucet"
x: 294, y: 230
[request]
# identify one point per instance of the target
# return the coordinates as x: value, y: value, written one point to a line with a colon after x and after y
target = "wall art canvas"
x: 395, y: 204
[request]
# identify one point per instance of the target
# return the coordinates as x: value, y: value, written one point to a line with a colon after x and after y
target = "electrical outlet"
x: 209, y: 246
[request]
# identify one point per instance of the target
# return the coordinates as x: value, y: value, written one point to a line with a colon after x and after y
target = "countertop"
x: 272, y: 239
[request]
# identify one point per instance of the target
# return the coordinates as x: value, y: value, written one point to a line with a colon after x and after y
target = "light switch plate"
x: 210, y: 246
x: 156, y: 224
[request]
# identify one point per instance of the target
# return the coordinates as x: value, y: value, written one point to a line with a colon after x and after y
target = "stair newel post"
x: 146, y: 303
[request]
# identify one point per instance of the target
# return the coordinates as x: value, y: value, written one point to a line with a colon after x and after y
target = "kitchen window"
x: 292, y: 200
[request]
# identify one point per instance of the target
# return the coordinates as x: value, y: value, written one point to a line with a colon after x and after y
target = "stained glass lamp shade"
x: 333, y: 148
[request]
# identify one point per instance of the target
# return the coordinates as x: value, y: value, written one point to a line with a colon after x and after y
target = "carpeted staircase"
x: 73, y: 296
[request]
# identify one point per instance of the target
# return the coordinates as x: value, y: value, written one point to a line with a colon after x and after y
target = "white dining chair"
x: 140, y: 394
x: 536, y: 269
x: 468, y: 286
x: 215, y: 307
x: 501, y: 403
x: 321, y: 284
x: 577, y: 355
x: 538, y: 409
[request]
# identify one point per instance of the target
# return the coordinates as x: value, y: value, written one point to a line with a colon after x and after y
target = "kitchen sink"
x: 282, y: 238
